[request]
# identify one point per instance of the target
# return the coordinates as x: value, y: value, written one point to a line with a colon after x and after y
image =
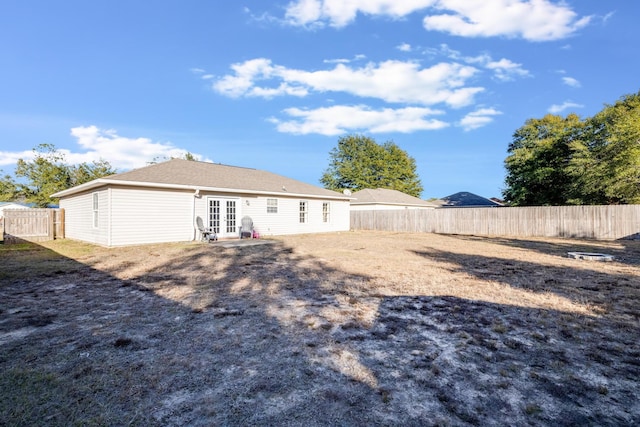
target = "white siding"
x: 287, y: 220
x: 151, y: 216
x: 78, y: 217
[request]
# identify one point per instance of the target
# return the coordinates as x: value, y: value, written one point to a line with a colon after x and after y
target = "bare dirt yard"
x: 356, y: 328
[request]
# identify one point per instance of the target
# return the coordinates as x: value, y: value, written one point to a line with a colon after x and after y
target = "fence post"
x: 61, y: 221
x: 52, y: 224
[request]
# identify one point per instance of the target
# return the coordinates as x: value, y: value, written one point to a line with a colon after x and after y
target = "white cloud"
x: 337, y: 61
x: 478, y: 118
x: 535, y: 20
x: 121, y: 152
x: 11, y: 157
x: 343, y: 119
x: 605, y: 19
x: 570, y: 81
x: 339, y: 13
x: 391, y: 81
x: 503, y: 70
x: 555, y: 109
x: 404, y: 47
x: 506, y: 70
x: 359, y: 57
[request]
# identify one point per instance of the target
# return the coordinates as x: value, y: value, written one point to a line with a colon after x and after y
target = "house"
x: 11, y: 205
x: 386, y: 199
x: 161, y: 203
x: 464, y: 199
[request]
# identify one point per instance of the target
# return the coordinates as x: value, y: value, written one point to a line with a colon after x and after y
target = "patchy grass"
x: 347, y: 328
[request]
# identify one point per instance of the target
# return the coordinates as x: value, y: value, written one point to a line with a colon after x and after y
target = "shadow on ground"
x: 261, y: 335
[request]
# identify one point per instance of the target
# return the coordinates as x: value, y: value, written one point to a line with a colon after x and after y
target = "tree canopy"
x: 560, y: 161
x: 46, y: 174
x: 358, y: 162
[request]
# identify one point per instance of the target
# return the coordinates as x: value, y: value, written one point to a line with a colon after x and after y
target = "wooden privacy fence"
x: 588, y: 222
x: 35, y: 225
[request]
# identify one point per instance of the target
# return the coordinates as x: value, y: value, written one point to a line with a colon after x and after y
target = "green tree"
x: 44, y: 175
x: 358, y: 162
x: 556, y: 161
x: 606, y: 162
x: 536, y: 167
x: 8, y: 189
x: 185, y: 156
x: 47, y: 173
x: 85, y: 172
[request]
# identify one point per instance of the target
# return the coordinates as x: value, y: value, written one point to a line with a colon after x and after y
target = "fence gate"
x: 35, y: 225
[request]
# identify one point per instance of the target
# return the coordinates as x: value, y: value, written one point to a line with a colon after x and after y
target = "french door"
x: 223, y: 214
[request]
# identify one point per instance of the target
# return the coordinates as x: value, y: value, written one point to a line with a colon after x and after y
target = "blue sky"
x: 273, y: 85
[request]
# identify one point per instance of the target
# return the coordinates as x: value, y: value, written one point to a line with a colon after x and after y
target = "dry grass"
x: 351, y: 328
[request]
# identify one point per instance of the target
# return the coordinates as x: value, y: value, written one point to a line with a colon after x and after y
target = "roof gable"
x: 387, y: 196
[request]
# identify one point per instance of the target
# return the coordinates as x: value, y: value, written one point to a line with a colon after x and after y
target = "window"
x: 272, y: 205
x: 326, y: 212
x: 95, y: 210
x: 303, y: 212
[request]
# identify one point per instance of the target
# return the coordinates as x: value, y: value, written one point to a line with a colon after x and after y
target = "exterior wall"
x: 382, y: 207
x: 79, y: 217
x: 142, y: 215
x: 130, y: 216
x: 287, y: 219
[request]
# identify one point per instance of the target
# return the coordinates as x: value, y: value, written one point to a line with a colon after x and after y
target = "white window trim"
x: 272, y: 208
x: 95, y: 209
x: 303, y: 214
x: 326, y: 213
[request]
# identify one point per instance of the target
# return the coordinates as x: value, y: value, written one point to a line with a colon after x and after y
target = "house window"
x: 303, y: 212
x: 326, y: 212
x: 272, y: 205
x: 95, y: 210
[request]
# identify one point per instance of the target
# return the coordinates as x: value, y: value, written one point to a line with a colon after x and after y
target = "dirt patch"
x: 336, y: 329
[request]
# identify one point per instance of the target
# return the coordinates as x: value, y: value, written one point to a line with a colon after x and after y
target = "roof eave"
x: 102, y: 182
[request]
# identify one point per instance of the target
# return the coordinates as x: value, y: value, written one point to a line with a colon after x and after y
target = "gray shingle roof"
x: 210, y: 176
x: 466, y: 199
x: 387, y: 196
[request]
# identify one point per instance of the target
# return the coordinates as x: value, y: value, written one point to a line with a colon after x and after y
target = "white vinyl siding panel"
x: 141, y: 216
x: 287, y: 220
x: 79, y: 219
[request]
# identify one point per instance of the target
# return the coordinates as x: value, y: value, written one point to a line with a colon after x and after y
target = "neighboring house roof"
x: 13, y: 205
x: 384, y: 196
x: 466, y: 199
x: 194, y: 175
